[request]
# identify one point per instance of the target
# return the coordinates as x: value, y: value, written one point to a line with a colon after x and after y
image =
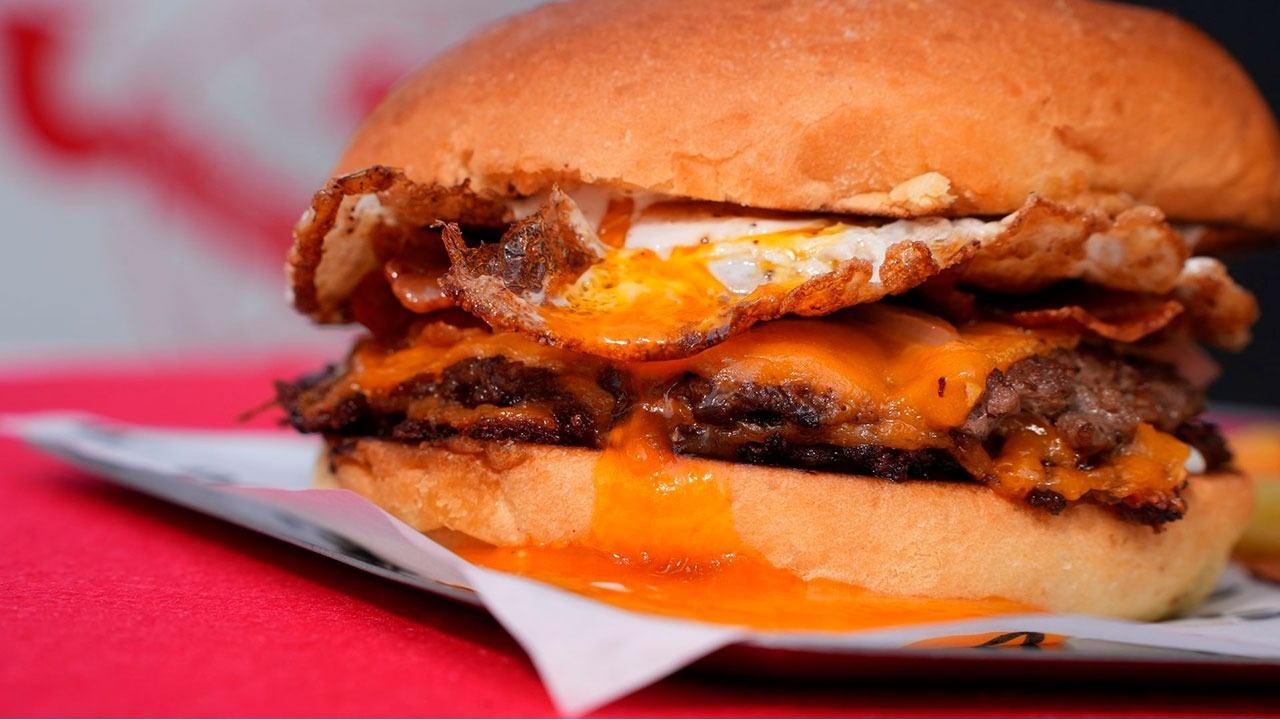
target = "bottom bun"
x: 918, y: 538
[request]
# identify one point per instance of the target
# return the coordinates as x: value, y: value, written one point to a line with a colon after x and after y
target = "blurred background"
x: 155, y: 153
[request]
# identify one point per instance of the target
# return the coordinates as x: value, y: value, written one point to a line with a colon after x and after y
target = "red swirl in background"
x: 249, y: 207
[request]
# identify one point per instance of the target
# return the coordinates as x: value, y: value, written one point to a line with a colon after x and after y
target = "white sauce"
x: 1195, y: 462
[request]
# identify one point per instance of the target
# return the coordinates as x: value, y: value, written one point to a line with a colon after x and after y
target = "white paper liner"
x: 587, y: 653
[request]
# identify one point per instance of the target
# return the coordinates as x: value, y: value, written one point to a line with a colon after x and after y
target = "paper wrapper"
x: 586, y: 652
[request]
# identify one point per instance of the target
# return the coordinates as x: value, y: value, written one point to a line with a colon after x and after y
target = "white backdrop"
x: 153, y: 155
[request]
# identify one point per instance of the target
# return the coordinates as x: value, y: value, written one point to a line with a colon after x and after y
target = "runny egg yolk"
x: 662, y: 541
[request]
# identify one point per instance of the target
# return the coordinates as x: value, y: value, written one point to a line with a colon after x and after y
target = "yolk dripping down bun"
x: 903, y: 295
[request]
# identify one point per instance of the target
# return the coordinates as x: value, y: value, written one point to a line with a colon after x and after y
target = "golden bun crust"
x: 884, y: 108
x: 930, y: 539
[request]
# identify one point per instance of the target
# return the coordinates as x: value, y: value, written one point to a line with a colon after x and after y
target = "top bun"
x: 885, y: 108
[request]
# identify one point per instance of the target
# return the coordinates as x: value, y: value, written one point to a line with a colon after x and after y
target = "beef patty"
x: 1093, y: 398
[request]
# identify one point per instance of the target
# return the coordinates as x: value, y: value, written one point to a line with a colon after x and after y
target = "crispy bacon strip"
x: 1126, y: 317
x: 360, y: 221
x: 536, y: 258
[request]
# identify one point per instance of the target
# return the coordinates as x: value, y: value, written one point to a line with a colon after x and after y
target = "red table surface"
x: 115, y: 604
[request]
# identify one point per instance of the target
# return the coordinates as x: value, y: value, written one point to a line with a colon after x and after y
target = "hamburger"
x: 906, y: 296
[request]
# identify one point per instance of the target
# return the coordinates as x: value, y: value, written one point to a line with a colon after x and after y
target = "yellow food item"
x: 1257, y: 453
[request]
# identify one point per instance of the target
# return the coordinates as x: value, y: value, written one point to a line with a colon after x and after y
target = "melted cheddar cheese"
x: 375, y: 368
x: 915, y: 375
x: 1036, y: 458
